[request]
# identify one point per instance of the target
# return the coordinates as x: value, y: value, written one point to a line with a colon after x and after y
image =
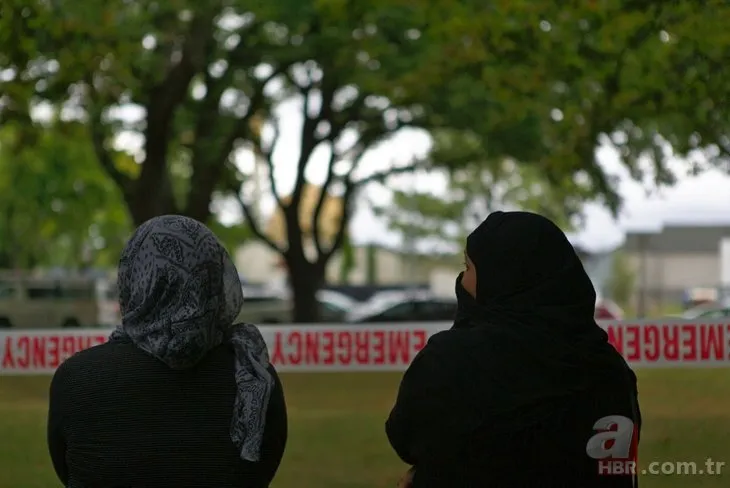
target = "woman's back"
x: 513, y: 394
x: 447, y: 422
x: 121, y: 418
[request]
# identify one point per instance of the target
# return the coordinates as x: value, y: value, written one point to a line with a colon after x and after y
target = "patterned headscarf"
x: 179, y: 295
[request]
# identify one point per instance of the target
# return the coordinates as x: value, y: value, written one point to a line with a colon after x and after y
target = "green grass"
x: 336, y: 429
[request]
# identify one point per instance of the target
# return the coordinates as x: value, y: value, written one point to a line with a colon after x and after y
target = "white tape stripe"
x: 382, y: 347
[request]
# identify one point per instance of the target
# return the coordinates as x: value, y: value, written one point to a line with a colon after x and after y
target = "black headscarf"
x: 534, y: 299
x: 527, y: 271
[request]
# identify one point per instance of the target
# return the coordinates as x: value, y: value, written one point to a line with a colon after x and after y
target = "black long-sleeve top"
x: 120, y: 418
x: 439, y: 426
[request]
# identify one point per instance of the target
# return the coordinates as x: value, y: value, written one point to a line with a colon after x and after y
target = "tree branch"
x: 308, y: 142
x: 268, y: 156
x: 350, y: 190
x: 381, y: 176
x: 327, y: 114
x: 98, y: 139
x: 253, y: 225
x: 165, y: 98
x: 351, y: 187
x: 209, y: 152
x: 173, y: 87
x: 207, y: 164
x: 322, y: 197
x: 242, y: 127
x: 309, y: 139
x: 373, y: 133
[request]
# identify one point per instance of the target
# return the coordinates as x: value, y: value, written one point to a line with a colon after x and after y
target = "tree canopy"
x: 197, y: 84
x: 57, y: 208
x: 641, y: 76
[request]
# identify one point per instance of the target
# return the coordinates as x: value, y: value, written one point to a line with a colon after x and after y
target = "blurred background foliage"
x: 516, y: 96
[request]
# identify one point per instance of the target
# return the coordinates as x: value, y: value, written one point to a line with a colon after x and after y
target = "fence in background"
x: 376, y: 347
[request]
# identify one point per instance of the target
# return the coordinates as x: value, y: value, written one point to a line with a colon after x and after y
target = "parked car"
x: 393, y: 307
x: 42, y: 302
x: 608, y: 310
x: 262, y: 307
x: 399, y: 306
x: 334, y: 306
x: 716, y: 310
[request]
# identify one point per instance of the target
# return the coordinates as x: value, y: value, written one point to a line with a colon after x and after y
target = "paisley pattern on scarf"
x: 179, y: 295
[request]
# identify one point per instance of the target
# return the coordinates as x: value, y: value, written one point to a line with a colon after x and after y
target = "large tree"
x: 363, y: 72
x: 204, y: 78
x: 539, y: 83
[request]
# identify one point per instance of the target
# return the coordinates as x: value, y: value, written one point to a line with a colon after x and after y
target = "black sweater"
x: 119, y: 418
x: 438, y: 423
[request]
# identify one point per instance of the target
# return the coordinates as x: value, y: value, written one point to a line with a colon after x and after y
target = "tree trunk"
x: 6, y: 262
x: 144, y: 205
x: 142, y: 209
x: 305, y: 280
x: 372, y: 264
x: 198, y: 206
x: 202, y: 186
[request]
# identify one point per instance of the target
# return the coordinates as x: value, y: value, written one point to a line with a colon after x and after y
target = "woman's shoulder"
x: 92, y: 361
x: 94, y: 356
x: 451, y: 351
x: 442, y: 348
x: 456, y: 340
x: 120, y: 362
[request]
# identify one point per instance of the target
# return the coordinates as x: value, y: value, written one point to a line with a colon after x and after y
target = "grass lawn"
x: 336, y: 429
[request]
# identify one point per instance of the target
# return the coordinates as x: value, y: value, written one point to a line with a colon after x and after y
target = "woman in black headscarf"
x: 511, y: 395
x: 181, y: 395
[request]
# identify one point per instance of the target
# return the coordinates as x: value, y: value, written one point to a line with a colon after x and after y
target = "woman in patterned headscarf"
x: 180, y: 395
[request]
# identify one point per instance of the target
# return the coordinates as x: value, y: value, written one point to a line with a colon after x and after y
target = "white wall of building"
x: 259, y: 264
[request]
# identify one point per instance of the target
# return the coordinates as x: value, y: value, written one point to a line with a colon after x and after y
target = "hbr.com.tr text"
x: 665, y: 468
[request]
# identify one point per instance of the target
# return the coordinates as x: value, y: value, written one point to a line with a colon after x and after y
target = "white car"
x: 263, y: 307
x: 404, y: 306
x: 708, y: 311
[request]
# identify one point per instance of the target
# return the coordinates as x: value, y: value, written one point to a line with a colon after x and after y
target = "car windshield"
x: 705, y: 309
x: 336, y: 300
x: 382, y: 302
x: 374, y: 306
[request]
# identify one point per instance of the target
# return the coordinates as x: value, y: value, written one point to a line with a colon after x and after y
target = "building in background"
x: 665, y: 266
x: 381, y: 266
x: 392, y: 266
x: 371, y: 265
x: 672, y: 260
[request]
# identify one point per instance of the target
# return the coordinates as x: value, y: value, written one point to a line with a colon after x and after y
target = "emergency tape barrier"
x: 382, y: 347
